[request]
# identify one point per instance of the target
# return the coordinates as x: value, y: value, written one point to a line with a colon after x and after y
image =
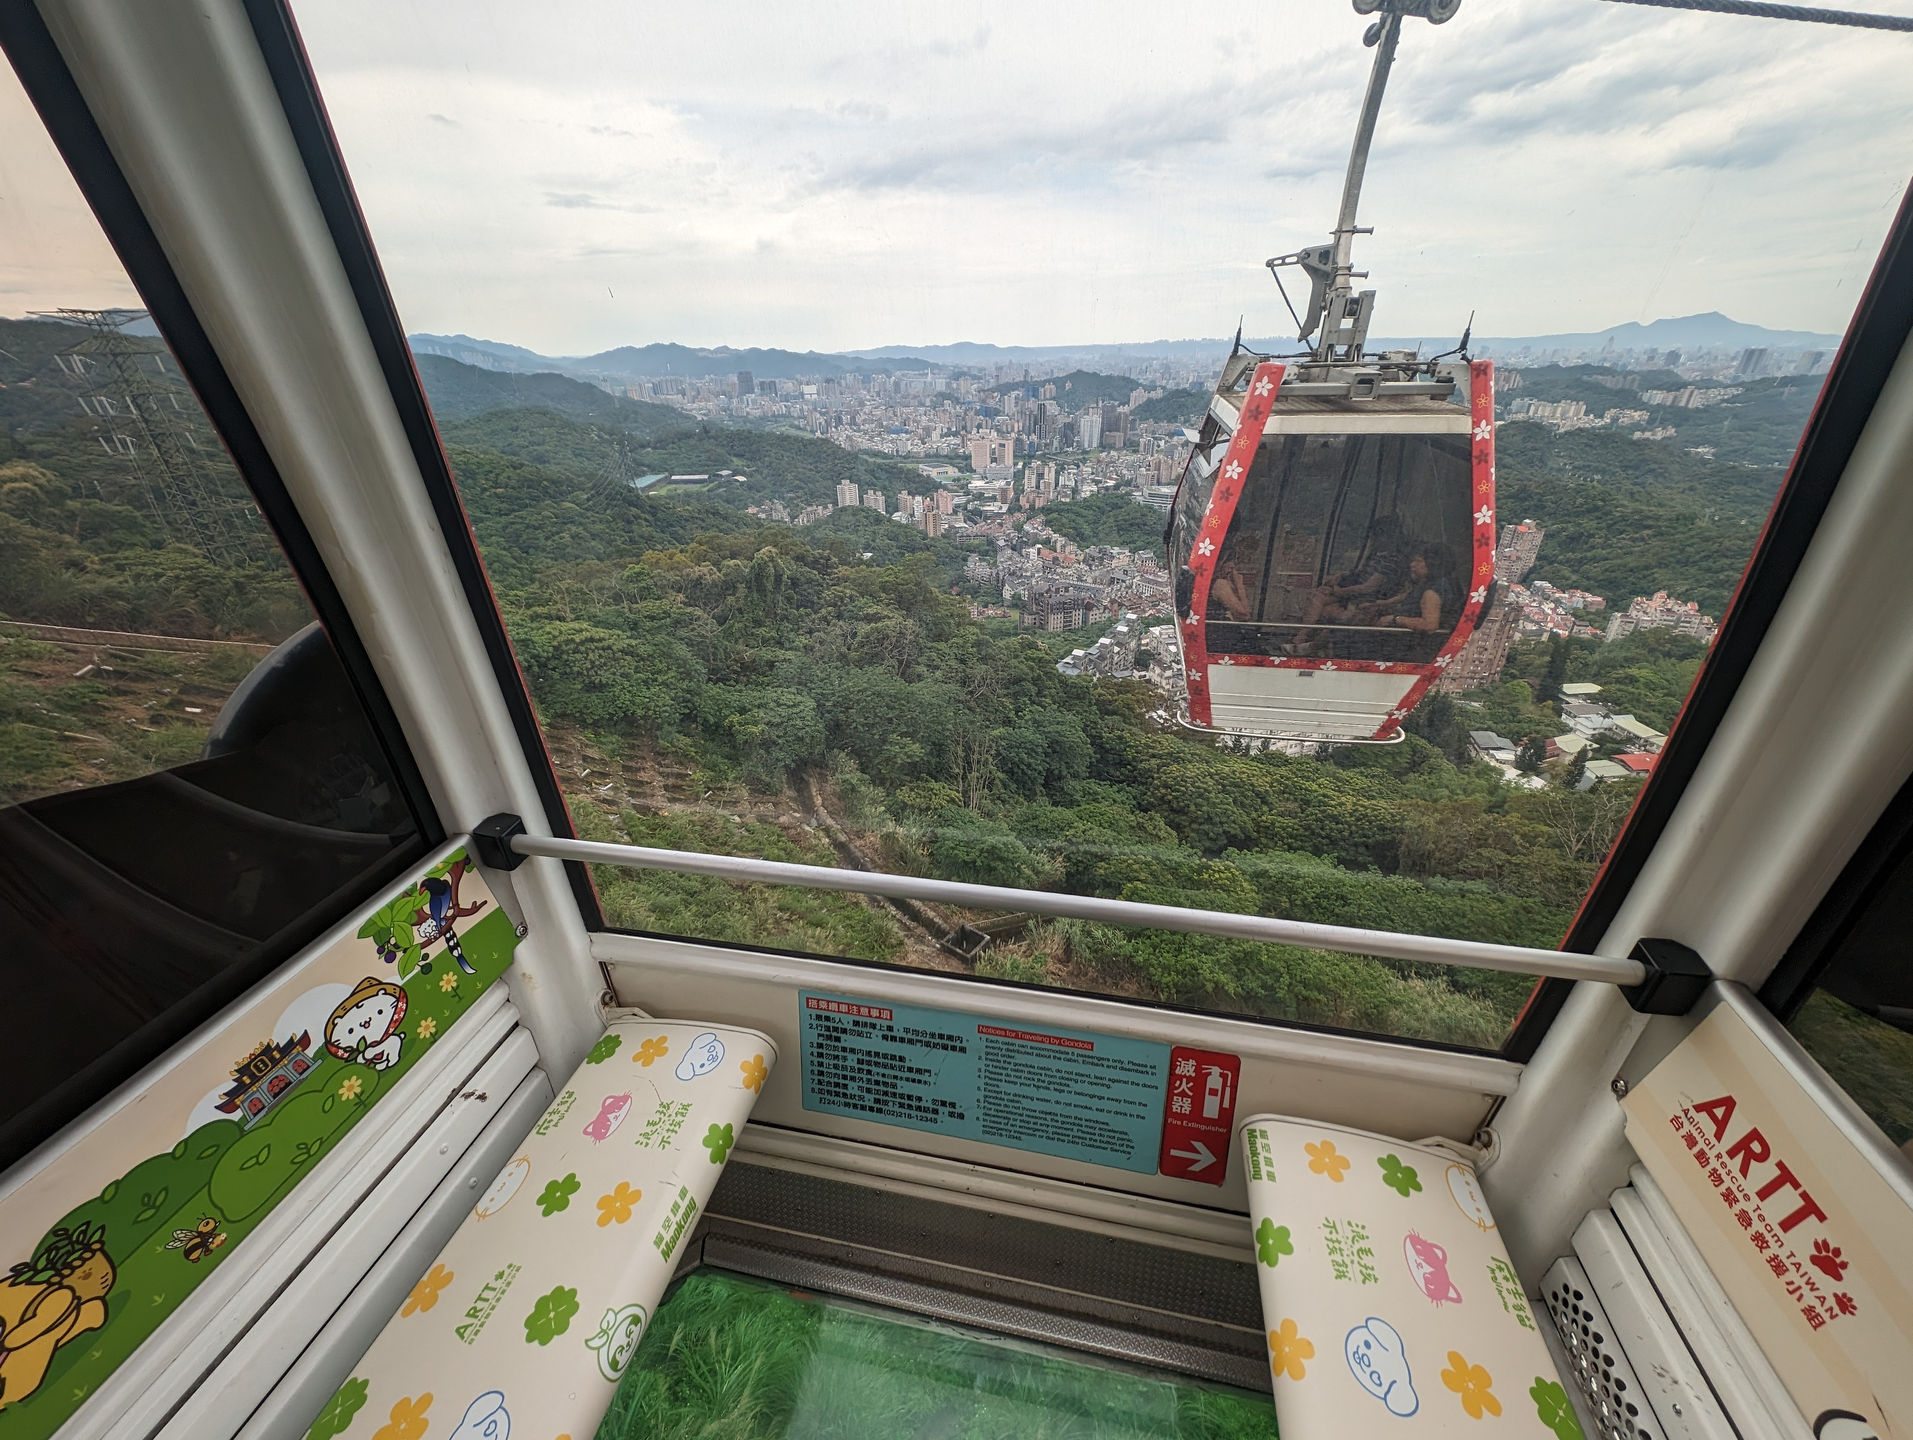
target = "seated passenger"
x: 1229, y: 594
x: 1423, y: 603
x: 1356, y: 596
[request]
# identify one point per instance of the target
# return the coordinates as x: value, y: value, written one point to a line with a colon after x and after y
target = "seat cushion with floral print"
x: 1390, y: 1303
x: 532, y: 1310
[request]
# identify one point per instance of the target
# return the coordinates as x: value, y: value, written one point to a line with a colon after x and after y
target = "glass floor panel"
x: 731, y: 1358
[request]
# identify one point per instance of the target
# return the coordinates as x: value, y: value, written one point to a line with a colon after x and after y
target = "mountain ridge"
x: 664, y: 359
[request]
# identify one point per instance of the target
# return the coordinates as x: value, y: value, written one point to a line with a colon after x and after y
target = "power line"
x: 1763, y: 10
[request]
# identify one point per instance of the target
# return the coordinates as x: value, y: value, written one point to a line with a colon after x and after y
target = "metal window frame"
x: 284, y: 51
x: 50, y: 86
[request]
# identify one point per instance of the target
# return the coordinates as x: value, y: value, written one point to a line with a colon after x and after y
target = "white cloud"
x: 580, y: 175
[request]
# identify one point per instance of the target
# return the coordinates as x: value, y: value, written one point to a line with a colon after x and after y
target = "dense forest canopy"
x: 711, y: 681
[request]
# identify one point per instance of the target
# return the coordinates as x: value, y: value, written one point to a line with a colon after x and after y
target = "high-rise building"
x: 746, y: 383
x: 946, y: 503
x: 932, y: 521
x: 1089, y: 429
x: 1753, y: 364
x: 1515, y: 555
x: 847, y: 494
x: 873, y: 500
x: 993, y: 456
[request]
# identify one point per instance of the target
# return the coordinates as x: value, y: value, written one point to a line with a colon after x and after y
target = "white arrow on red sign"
x: 1200, y: 1158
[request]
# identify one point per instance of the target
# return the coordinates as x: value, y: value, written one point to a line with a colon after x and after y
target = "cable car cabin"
x: 1322, y: 594
x: 715, y: 981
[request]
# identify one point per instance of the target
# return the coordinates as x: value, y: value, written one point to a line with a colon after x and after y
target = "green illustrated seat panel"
x: 533, y: 1310
x: 1390, y: 1303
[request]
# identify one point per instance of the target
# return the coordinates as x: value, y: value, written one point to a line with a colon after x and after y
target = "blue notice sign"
x: 1070, y: 1093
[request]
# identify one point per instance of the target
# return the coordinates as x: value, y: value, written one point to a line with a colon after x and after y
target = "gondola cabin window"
x: 189, y: 785
x: 840, y: 510
x: 1347, y: 546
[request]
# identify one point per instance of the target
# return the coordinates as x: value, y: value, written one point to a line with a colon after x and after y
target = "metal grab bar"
x: 1430, y: 949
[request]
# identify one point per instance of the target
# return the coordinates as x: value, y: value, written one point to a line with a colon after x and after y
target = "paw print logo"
x: 1325, y: 1159
x: 652, y: 1051
x: 1826, y: 1259
x: 718, y: 1140
x: 1398, y: 1177
x: 1272, y: 1243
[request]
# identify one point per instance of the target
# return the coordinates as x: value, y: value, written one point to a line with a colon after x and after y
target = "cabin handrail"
x: 1346, y: 939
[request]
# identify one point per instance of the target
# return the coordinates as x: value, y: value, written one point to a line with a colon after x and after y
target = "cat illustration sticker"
x: 365, y: 1027
x: 1465, y: 1190
x: 617, y: 1339
x: 48, y: 1301
x: 1380, y: 1365
x: 1428, y: 1267
x: 486, y: 1418
x: 509, y: 1182
x: 705, y: 1054
x: 609, y: 1117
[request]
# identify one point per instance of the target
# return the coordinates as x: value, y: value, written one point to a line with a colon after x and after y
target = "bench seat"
x: 533, y: 1309
x: 1391, y: 1306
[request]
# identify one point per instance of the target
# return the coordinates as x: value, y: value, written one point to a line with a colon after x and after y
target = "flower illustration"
x: 551, y: 1315
x: 425, y: 1294
x: 407, y: 1420
x: 336, y: 1417
x: 350, y: 1087
x: 1325, y: 1159
x: 1272, y: 1243
x: 1551, y: 1407
x: 754, y: 1072
x: 718, y: 1141
x: 1398, y: 1177
x: 615, y: 1208
x: 447, y: 982
x: 427, y: 1028
x: 1471, y: 1383
x: 652, y: 1051
x: 557, y: 1194
x: 1288, y: 1348
x: 606, y: 1047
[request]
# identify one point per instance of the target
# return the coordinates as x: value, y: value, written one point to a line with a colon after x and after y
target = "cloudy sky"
x: 576, y: 175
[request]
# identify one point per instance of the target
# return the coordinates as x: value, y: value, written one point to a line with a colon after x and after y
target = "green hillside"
x: 1087, y: 387
x: 459, y: 391
x: 1109, y: 520
x: 1175, y: 407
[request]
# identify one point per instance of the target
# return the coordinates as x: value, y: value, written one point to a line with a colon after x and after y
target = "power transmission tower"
x: 146, y: 413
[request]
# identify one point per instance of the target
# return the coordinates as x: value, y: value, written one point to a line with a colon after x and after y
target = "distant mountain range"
x: 1711, y: 331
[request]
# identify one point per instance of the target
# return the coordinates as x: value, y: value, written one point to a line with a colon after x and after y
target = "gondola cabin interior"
x: 522, y: 917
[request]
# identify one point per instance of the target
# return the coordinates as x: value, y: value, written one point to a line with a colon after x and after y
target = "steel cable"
x: 1763, y: 10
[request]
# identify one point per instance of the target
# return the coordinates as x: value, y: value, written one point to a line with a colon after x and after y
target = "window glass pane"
x: 817, y: 444
x: 1858, y: 1021
x: 1351, y: 547
x: 187, y: 779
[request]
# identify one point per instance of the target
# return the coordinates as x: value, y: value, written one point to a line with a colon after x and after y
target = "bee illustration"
x: 200, y: 1241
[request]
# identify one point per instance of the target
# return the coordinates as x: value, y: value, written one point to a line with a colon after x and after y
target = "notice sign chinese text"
x: 1069, y: 1093
x: 1808, y: 1239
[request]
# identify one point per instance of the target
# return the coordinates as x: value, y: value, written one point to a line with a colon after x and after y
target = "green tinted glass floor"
x: 728, y: 1358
